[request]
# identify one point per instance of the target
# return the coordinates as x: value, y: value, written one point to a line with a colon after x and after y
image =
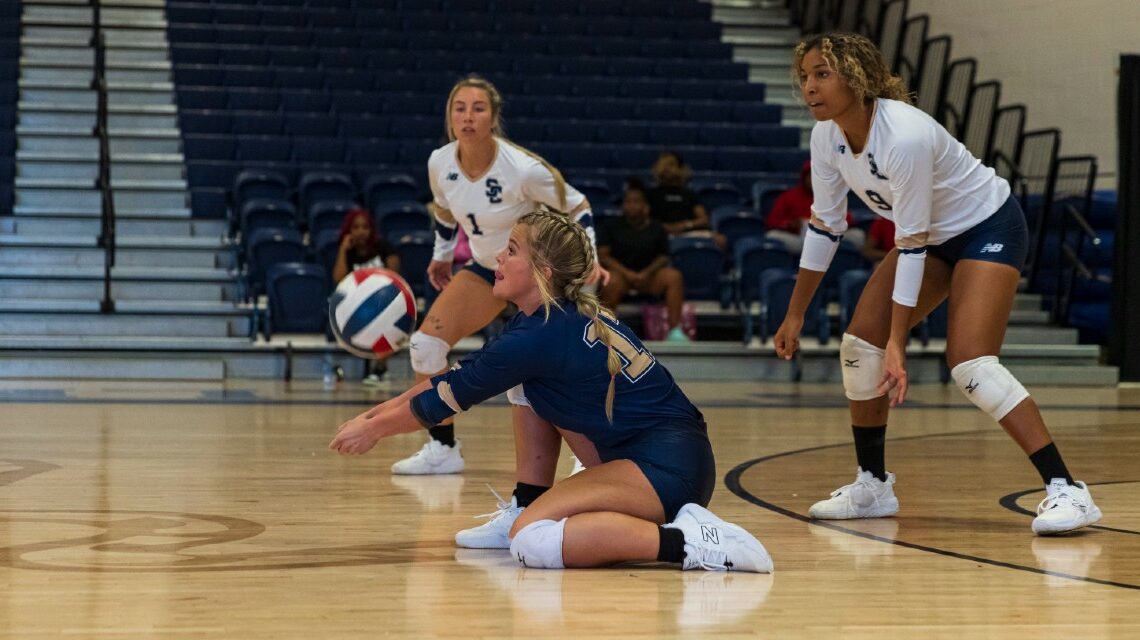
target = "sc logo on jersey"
x: 493, y: 191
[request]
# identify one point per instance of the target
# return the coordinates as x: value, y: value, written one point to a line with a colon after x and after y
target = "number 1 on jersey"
x: 475, y: 230
x: 637, y: 361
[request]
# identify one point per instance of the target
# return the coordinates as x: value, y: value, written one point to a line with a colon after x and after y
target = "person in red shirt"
x: 880, y: 240
x: 787, y: 221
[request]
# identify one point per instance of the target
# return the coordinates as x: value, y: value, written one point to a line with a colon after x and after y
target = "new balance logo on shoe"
x: 993, y: 247
x: 851, y: 364
x: 971, y: 386
x: 522, y: 559
x: 710, y: 534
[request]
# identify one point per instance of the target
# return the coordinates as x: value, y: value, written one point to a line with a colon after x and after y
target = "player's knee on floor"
x: 862, y: 365
x: 989, y: 385
x: 539, y: 545
x: 428, y: 353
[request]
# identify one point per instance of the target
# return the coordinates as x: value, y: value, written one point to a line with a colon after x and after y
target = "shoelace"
x: 710, y: 559
x: 1062, y: 495
x: 850, y: 487
x: 502, y: 504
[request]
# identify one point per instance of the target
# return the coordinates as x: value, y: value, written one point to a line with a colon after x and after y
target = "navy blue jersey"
x: 561, y: 364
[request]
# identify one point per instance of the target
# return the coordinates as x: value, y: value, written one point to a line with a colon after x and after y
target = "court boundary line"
x: 732, y: 482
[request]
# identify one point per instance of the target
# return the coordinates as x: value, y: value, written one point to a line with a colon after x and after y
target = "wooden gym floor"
x: 160, y: 510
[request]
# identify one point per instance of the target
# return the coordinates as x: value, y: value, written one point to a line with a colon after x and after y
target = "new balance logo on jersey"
x: 453, y: 176
x: 710, y: 534
x: 971, y: 386
x: 842, y: 149
x: 992, y: 247
x: 493, y: 191
x: 851, y: 364
x: 875, y: 167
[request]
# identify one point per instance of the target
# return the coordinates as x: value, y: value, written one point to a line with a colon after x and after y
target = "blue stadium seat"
x: 305, y: 102
x: 310, y: 124
x: 263, y: 149
x: 241, y: 99
x: 701, y: 263
x: 735, y: 223
x: 204, y: 122
x: 266, y: 213
x: 209, y: 147
x: 328, y: 214
x: 298, y: 298
x: 374, y: 151
x: 354, y: 127
x: 257, y: 123
x: 319, y: 186
x: 311, y: 150
x: 415, y: 249
x: 716, y: 194
x: 394, y: 219
x: 252, y: 184
x: 851, y: 284
x: 776, y: 287
x: 265, y: 247
x: 201, y: 98
x: 325, y: 246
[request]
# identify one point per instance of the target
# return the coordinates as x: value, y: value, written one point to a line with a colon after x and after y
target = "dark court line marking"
x: 732, y: 482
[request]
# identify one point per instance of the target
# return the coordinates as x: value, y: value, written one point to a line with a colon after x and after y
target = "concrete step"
x: 773, y: 76
x: 761, y: 36
x: 120, y: 187
x: 39, y: 288
x: 169, y: 325
x: 81, y: 198
x: 24, y: 366
x: 751, y: 16
x: 89, y: 169
x: 86, y: 210
x: 124, y: 226
x: 37, y: 255
x: 121, y: 273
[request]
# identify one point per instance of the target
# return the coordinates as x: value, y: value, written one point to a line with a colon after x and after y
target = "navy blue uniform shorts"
x: 677, y: 459
x: 481, y: 271
x: 1002, y: 238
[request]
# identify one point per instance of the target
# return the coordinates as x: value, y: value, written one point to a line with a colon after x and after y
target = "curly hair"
x: 561, y: 245
x: 858, y: 61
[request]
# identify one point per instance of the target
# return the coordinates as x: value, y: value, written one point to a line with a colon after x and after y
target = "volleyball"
x: 372, y: 312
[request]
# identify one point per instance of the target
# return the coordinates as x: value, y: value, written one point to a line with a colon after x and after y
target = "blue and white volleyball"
x: 372, y: 312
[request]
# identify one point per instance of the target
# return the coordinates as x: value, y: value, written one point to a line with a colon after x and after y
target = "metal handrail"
x: 103, y: 182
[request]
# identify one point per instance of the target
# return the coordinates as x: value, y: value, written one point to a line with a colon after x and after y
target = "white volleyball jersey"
x: 911, y: 171
x: 489, y: 206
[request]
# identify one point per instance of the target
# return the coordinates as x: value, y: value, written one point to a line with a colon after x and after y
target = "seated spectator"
x: 361, y: 246
x: 787, y: 221
x: 880, y: 240
x: 635, y: 250
x: 671, y: 201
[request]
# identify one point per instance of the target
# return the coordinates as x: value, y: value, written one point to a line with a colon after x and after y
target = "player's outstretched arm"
x: 390, y: 418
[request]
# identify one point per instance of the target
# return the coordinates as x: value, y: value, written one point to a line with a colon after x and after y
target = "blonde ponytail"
x: 561, y: 245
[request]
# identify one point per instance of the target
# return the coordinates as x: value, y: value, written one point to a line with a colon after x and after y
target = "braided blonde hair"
x: 497, y: 128
x: 858, y: 61
x: 561, y: 245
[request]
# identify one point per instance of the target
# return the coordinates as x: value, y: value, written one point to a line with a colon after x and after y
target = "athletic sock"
x: 870, y: 443
x: 527, y: 493
x: 671, y: 545
x: 1049, y: 464
x: 445, y: 433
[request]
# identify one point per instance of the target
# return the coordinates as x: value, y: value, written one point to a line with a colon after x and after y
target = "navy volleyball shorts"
x: 677, y: 459
x: 1002, y: 238
x: 481, y: 271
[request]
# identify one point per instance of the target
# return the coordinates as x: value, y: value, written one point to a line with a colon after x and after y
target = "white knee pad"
x: 539, y: 545
x: 515, y: 395
x: 862, y: 364
x: 989, y: 385
x: 428, y: 353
